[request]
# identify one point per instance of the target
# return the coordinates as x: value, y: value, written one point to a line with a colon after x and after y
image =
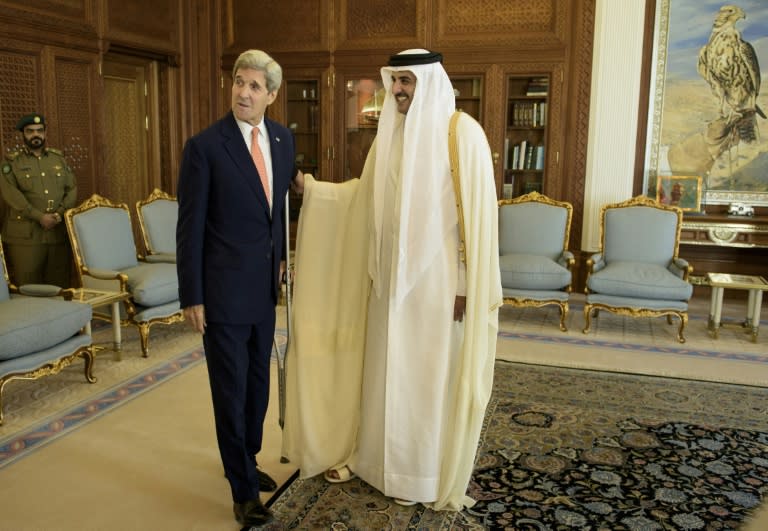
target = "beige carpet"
x: 637, y: 345
x: 151, y: 463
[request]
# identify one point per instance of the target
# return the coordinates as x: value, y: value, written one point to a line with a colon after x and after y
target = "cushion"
x: 640, y: 234
x: 160, y: 221
x: 639, y: 280
x: 532, y: 228
x: 153, y: 284
x: 30, y: 324
x: 105, y: 238
x: 4, y: 293
x: 526, y: 271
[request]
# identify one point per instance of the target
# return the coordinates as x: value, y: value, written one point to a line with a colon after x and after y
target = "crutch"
x: 288, y: 285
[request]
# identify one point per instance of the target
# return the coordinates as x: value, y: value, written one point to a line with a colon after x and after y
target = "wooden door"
x: 132, y: 147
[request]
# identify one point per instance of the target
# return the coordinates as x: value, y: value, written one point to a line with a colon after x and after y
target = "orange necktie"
x: 258, y: 160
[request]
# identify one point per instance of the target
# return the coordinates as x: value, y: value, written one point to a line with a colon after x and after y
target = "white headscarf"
x: 427, y: 198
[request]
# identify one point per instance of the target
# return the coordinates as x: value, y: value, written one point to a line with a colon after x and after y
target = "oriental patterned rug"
x: 575, y: 449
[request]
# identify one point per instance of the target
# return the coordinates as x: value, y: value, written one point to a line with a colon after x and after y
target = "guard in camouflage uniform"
x: 38, y: 187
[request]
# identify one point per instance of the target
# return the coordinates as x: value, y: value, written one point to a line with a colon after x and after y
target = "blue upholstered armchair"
x: 157, y: 216
x: 533, y: 246
x: 40, y: 335
x: 105, y: 257
x: 637, y: 271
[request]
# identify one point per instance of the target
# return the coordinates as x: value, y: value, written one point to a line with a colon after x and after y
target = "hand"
x: 298, y: 182
x: 459, y: 307
x: 195, y: 316
x: 49, y: 220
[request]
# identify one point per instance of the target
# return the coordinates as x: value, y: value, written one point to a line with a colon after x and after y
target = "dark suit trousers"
x: 238, y: 358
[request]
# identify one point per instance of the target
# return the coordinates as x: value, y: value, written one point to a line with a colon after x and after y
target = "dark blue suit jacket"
x: 228, y: 246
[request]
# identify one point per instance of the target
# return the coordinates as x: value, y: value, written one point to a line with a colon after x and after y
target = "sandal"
x: 404, y: 503
x: 344, y: 474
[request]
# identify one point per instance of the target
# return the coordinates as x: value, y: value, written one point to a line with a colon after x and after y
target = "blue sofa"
x: 40, y: 335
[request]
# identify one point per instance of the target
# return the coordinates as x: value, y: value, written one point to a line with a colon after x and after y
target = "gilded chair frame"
x: 156, y: 195
x: 51, y: 367
x: 592, y: 309
x: 114, y: 281
x: 536, y: 197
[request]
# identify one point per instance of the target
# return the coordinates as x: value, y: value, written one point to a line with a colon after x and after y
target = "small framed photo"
x: 680, y: 191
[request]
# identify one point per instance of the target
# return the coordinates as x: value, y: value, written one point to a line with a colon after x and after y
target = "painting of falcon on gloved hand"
x: 708, y: 114
x: 729, y: 64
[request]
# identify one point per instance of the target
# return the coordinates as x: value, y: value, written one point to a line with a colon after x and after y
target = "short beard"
x: 29, y: 142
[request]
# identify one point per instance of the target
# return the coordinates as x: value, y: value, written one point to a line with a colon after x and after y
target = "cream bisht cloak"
x: 324, y: 361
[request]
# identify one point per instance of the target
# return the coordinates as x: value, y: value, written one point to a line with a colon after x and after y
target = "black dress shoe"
x: 266, y: 483
x: 252, y: 513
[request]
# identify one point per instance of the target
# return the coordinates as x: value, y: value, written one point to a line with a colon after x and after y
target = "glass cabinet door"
x: 303, y: 119
x: 525, y: 142
x: 362, y: 106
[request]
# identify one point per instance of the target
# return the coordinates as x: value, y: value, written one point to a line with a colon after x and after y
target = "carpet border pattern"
x: 23, y: 443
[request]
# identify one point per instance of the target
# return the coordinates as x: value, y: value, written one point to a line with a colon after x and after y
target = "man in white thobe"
x: 391, y: 364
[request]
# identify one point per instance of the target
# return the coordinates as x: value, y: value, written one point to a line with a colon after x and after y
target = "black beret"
x: 412, y: 59
x: 30, y: 119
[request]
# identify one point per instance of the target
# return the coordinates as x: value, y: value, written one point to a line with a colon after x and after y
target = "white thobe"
x: 424, y: 387
x: 410, y: 354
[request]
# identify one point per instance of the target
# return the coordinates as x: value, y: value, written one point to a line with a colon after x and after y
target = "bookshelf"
x: 468, y: 91
x: 525, y: 140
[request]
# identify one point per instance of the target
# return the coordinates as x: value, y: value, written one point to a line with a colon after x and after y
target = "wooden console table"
x: 725, y: 231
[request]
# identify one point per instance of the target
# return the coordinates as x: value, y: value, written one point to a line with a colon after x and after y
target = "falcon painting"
x: 729, y: 64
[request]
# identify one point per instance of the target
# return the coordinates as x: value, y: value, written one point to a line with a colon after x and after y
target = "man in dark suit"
x: 230, y: 254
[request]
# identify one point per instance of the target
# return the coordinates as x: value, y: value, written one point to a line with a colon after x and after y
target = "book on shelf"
x: 515, y: 157
x: 509, y: 190
x: 527, y: 114
x: 529, y: 160
x: 539, y: 164
x: 506, y: 153
x: 538, y: 86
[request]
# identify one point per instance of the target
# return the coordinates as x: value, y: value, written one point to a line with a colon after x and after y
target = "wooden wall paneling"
x: 391, y: 25
x: 288, y: 25
x: 523, y: 24
x: 645, y: 97
x: 201, y: 64
x: 69, y: 23
x: 169, y: 117
x: 579, y: 59
x: 73, y: 116
x: 20, y: 94
x: 20, y: 91
x: 143, y: 24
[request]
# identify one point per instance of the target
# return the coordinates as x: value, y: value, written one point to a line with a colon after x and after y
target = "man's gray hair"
x: 259, y: 60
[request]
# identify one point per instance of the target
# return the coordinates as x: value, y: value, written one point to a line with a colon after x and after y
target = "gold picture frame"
x: 683, y: 191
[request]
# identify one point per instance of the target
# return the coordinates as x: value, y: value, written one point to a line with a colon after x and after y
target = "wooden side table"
x: 756, y: 285
x: 96, y: 298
